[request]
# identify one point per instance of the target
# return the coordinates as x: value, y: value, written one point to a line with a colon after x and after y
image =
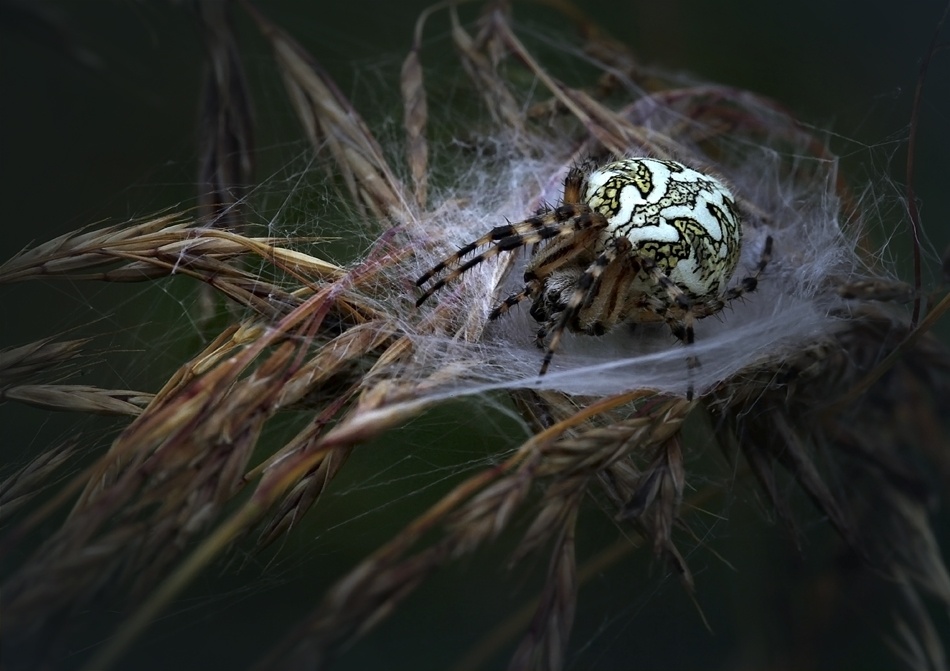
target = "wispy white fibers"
x: 785, y: 194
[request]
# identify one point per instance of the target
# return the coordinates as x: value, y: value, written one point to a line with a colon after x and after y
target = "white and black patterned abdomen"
x: 685, y: 220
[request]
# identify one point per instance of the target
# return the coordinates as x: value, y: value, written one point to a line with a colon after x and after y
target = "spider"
x: 637, y: 240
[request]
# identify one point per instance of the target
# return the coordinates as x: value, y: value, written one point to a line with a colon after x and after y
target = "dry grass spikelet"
x: 819, y: 380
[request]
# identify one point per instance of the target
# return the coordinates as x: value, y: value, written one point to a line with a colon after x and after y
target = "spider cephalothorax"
x: 637, y: 240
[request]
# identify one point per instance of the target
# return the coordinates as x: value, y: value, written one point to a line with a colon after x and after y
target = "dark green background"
x: 80, y: 145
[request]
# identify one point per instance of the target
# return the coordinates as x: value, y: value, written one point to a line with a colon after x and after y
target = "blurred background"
x: 99, y: 125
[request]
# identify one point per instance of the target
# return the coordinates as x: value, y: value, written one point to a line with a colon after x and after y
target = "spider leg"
x: 537, y: 225
x: 563, y: 221
x: 749, y: 284
x: 530, y: 290
x: 553, y: 257
x: 495, y: 234
x: 693, y: 309
x: 681, y: 327
x: 574, y: 185
x: 583, y: 295
x: 746, y: 285
x: 683, y: 330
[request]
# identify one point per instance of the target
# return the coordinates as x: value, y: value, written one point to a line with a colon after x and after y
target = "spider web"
x: 481, y: 183
x: 787, y: 308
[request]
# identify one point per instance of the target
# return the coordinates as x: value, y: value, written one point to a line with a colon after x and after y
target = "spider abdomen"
x: 685, y: 220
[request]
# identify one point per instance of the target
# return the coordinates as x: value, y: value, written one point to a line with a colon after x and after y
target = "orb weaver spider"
x: 637, y: 240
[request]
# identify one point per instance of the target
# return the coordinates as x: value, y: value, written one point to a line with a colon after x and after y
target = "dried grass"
x: 188, y: 477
